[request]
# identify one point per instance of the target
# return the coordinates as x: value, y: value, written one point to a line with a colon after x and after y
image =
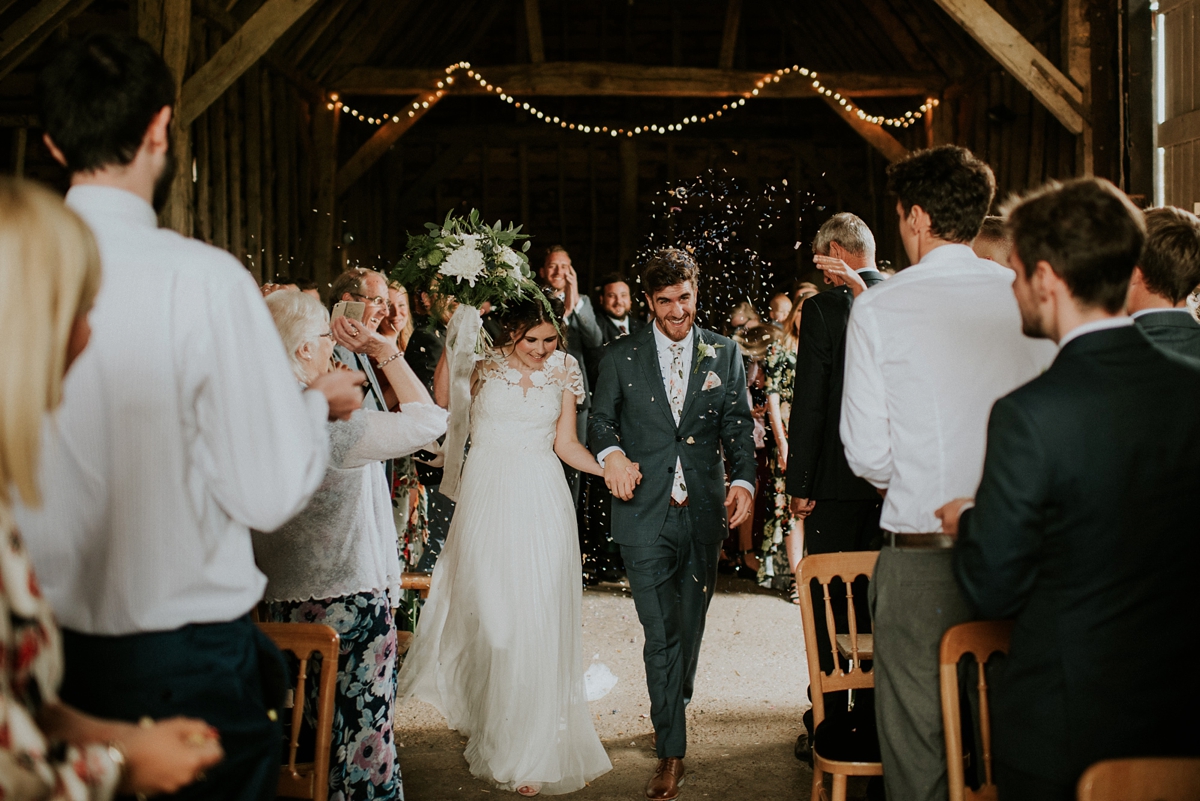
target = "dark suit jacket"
x: 817, y: 466
x: 1086, y: 531
x: 631, y: 410
x: 424, y: 349
x: 608, y: 333
x: 1176, y: 331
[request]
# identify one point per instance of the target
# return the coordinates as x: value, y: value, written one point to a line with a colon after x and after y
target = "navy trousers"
x: 227, y: 674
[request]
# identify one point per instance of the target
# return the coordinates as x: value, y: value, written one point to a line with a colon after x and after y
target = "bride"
x: 498, y: 649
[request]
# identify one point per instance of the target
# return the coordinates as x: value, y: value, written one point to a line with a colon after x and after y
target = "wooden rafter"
x: 875, y: 135
x: 382, y: 140
x: 1034, y: 71
x: 533, y: 27
x: 238, y: 54
x: 629, y: 80
x: 32, y: 28
x: 215, y: 12
x: 733, y: 18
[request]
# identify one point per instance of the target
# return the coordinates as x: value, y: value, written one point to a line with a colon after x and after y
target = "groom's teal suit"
x: 670, y: 551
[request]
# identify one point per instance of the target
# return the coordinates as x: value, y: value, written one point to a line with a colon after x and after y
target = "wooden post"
x: 593, y: 210
x: 562, y: 200
x: 733, y: 17
x: 523, y: 180
x: 166, y: 25
x: 19, y: 148
x: 284, y: 142
x: 253, y: 146
x: 533, y: 25
x: 627, y: 227
x: 326, y: 116
x: 218, y: 147
x: 1077, y: 63
x: 237, y: 235
x: 269, y: 153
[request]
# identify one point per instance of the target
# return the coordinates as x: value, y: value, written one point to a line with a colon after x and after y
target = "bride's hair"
x: 518, y: 317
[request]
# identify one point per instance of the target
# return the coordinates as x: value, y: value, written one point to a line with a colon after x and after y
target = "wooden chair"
x: 1144, y: 779
x: 308, y: 779
x: 981, y: 639
x: 824, y: 568
x: 421, y: 583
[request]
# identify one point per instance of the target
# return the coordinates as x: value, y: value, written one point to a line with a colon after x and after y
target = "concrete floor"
x: 751, y: 690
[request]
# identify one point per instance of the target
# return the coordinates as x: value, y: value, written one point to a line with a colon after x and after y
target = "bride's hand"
x: 635, y: 470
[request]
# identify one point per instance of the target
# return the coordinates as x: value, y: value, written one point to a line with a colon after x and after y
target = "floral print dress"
x: 30, y: 671
x: 779, y: 367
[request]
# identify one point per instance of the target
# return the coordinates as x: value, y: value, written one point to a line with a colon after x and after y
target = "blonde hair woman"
x: 50, y: 272
x: 783, y: 532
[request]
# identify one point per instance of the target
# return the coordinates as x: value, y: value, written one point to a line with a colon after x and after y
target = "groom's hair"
x: 668, y: 267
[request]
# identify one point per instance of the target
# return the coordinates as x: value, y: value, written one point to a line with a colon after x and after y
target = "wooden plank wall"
x: 1179, y: 136
x: 252, y: 151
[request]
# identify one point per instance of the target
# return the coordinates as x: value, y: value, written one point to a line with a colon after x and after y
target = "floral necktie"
x: 676, y: 388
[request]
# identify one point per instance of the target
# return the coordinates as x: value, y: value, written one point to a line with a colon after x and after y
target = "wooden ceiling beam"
x: 382, y: 140
x: 28, y: 31
x: 875, y: 135
x: 1026, y: 63
x: 215, y: 12
x: 595, y: 79
x: 238, y: 54
x: 733, y: 18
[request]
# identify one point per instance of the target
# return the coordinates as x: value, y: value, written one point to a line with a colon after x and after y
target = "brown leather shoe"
x: 667, y: 779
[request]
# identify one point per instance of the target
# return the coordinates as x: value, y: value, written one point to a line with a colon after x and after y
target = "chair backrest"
x: 1142, y: 779
x: 824, y: 568
x: 981, y: 639
x: 303, y: 640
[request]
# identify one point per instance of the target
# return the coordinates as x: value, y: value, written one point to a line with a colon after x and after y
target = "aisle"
x: 750, y: 694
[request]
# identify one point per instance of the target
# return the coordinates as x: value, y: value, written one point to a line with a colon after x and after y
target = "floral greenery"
x: 469, y: 260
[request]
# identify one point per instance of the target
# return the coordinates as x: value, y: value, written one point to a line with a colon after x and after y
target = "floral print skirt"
x: 362, y: 764
x: 774, y: 571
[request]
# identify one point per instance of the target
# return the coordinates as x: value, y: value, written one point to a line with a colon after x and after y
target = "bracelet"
x: 117, y: 755
x: 391, y: 359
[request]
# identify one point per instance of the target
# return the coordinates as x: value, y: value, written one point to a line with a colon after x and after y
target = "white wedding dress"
x: 498, y: 649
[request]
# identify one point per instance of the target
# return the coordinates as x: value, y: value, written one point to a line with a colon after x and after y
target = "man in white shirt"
x: 927, y: 353
x: 1167, y: 272
x: 182, y: 427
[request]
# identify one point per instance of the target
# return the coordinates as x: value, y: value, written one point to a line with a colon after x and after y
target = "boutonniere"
x: 707, y: 350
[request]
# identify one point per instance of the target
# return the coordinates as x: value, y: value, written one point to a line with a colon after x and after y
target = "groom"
x: 669, y: 398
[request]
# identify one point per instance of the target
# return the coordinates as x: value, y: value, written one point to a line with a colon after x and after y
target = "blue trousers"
x: 223, y: 673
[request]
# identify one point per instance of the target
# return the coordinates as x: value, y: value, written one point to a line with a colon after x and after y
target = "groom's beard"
x: 676, y: 330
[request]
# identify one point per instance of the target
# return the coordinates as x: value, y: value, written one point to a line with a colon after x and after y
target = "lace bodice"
x: 518, y: 412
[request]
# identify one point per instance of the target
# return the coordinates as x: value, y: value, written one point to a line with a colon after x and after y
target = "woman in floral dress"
x: 50, y: 270
x: 783, y: 534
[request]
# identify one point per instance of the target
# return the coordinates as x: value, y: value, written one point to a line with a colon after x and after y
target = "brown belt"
x: 677, y: 505
x: 924, y: 541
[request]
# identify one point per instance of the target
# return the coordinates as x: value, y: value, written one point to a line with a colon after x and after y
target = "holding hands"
x: 165, y: 756
x: 621, y: 475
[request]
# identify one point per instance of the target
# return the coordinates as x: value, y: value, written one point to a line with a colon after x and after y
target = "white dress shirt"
x: 662, y: 345
x: 622, y: 324
x: 927, y: 354
x: 182, y: 427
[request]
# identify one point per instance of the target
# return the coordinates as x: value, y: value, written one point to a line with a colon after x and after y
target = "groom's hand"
x: 617, y: 476
x: 740, y: 504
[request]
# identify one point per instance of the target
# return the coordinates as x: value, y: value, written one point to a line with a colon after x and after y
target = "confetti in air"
x: 720, y: 223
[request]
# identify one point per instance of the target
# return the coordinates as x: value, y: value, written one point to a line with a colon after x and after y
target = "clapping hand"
x: 571, y: 295
x: 166, y: 756
x: 357, y: 338
x: 838, y: 273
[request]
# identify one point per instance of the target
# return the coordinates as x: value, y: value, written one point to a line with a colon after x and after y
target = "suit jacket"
x: 373, y: 398
x: 817, y: 466
x: 424, y: 349
x: 631, y: 410
x: 1176, y: 331
x: 608, y: 333
x: 1085, y: 530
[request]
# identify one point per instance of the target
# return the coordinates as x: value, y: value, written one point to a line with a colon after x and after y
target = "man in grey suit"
x: 1167, y: 272
x: 370, y: 288
x: 669, y: 399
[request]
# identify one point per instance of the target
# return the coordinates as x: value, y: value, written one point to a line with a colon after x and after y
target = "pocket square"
x: 711, y: 381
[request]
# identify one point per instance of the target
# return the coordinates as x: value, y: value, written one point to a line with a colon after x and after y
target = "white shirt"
x: 927, y: 354
x: 182, y: 427
x: 1099, y: 325
x: 662, y: 344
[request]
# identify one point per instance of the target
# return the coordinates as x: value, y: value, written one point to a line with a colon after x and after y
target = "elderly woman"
x: 336, y: 562
x: 50, y: 271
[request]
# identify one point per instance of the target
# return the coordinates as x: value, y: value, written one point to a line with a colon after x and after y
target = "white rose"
x: 469, y: 240
x: 513, y: 260
x: 464, y: 263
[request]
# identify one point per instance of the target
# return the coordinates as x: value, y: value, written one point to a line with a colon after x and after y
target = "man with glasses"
x: 353, y: 350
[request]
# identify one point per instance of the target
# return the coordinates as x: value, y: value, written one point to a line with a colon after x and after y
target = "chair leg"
x: 818, y: 784
x: 839, y: 787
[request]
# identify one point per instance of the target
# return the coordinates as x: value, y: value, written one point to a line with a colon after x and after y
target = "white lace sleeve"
x: 568, y: 376
x: 370, y: 436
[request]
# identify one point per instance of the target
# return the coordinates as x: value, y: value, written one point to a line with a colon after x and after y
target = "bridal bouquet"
x: 469, y: 260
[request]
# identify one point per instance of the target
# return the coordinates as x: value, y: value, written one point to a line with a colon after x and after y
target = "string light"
x: 444, y: 85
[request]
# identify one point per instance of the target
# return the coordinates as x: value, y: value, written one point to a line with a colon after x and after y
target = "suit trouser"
x: 218, y: 672
x: 672, y: 581
x: 914, y: 598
